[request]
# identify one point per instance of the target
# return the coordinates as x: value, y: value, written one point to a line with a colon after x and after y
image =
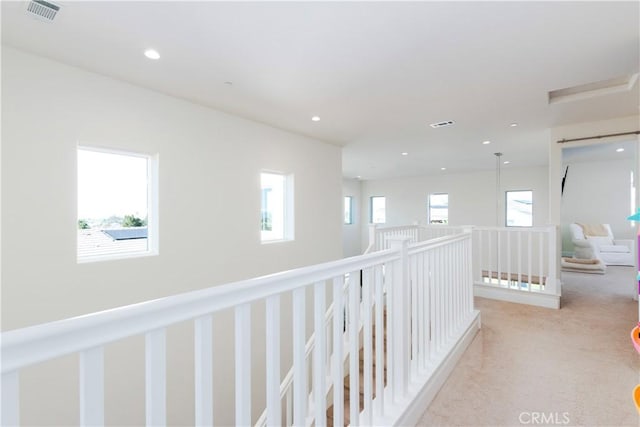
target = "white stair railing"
x: 517, y: 264
x: 516, y: 258
x: 339, y: 341
x: 435, y: 288
x: 379, y: 236
x: 428, y: 292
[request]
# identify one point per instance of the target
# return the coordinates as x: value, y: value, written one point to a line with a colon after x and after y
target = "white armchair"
x: 606, y: 248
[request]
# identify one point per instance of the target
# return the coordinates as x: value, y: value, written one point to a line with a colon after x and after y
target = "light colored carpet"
x: 576, y: 365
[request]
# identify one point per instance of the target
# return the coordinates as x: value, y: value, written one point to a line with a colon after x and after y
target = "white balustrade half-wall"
x: 518, y: 264
x: 425, y: 288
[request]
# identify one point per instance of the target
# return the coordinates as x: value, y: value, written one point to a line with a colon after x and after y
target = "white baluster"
x: 413, y: 301
x: 449, y: 263
x: 338, y: 337
x: 509, y: 259
x: 530, y: 256
x: 299, y: 365
x: 243, y: 364
x: 550, y: 286
x: 319, y: 366
x: 288, y: 407
x: 519, y: 259
x: 156, y: 377
x: 401, y: 319
x: 203, y: 352
x: 469, y: 289
x: 380, y: 362
x: 455, y: 262
x: 432, y: 304
x: 469, y: 285
x: 10, y: 408
x: 480, y: 253
x: 421, y: 309
x: 273, y: 360
x: 425, y: 321
x: 499, y: 256
x: 541, y: 258
x: 490, y: 256
x: 367, y: 345
x: 92, y: 387
x: 442, y: 310
x: 354, y: 342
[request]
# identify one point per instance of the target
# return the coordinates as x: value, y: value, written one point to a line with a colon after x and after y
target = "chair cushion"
x: 601, y: 241
x: 615, y: 248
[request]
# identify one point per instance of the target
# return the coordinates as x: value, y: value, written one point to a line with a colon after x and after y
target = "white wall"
x: 209, y: 225
x: 598, y: 192
x: 351, y: 233
x: 472, y: 196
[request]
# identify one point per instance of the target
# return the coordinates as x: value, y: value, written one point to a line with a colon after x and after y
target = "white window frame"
x: 348, y: 201
x: 288, y: 208
x: 371, y: 209
x: 429, y: 209
x: 152, y: 207
x: 506, y: 207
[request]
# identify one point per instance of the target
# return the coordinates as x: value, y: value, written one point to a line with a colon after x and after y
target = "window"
x: 348, y: 206
x: 116, y: 205
x: 519, y: 208
x: 378, y: 213
x: 277, y: 207
x: 439, y: 208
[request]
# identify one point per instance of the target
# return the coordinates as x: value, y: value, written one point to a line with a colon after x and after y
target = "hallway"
x: 573, y: 366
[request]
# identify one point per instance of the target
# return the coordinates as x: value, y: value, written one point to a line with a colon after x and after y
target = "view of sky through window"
x: 439, y: 208
x: 111, y: 185
x: 519, y: 208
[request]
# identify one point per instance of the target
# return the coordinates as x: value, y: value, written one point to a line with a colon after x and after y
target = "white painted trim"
x: 153, y: 206
x: 519, y: 297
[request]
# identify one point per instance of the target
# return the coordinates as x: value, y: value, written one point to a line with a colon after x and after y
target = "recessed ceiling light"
x: 513, y: 125
x: 506, y: 162
x: 315, y: 118
x: 486, y: 142
x: 620, y: 150
x: 358, y: 177
x: 443, y: 169
x: 404, y: 153
x: 152, y: 54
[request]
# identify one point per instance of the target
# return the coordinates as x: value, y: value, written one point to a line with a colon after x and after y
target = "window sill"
x: 115, y: 257
x: 270, y: 242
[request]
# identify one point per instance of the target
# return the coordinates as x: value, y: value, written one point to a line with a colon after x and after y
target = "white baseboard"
x: 520, y: 297
x: 426, y: 391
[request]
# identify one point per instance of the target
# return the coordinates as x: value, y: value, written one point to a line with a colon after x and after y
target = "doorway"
x: 600, y: 186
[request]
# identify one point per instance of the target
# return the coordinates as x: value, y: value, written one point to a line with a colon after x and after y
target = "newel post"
x: 473, y: 255
x: 400, y: 320
x: 372, y: 236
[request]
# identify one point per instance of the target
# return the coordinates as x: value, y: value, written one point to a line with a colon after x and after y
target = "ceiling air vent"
x: 43, y: 9
x: 442, y: 124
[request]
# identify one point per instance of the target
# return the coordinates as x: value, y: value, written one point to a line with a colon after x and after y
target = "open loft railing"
x: 419, y: 296
x: 507, y: 261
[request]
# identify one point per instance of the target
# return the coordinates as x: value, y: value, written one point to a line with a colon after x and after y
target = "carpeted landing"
x: 537, y: 366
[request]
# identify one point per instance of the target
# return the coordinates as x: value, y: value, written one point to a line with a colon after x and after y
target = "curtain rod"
x: 635, y: 132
